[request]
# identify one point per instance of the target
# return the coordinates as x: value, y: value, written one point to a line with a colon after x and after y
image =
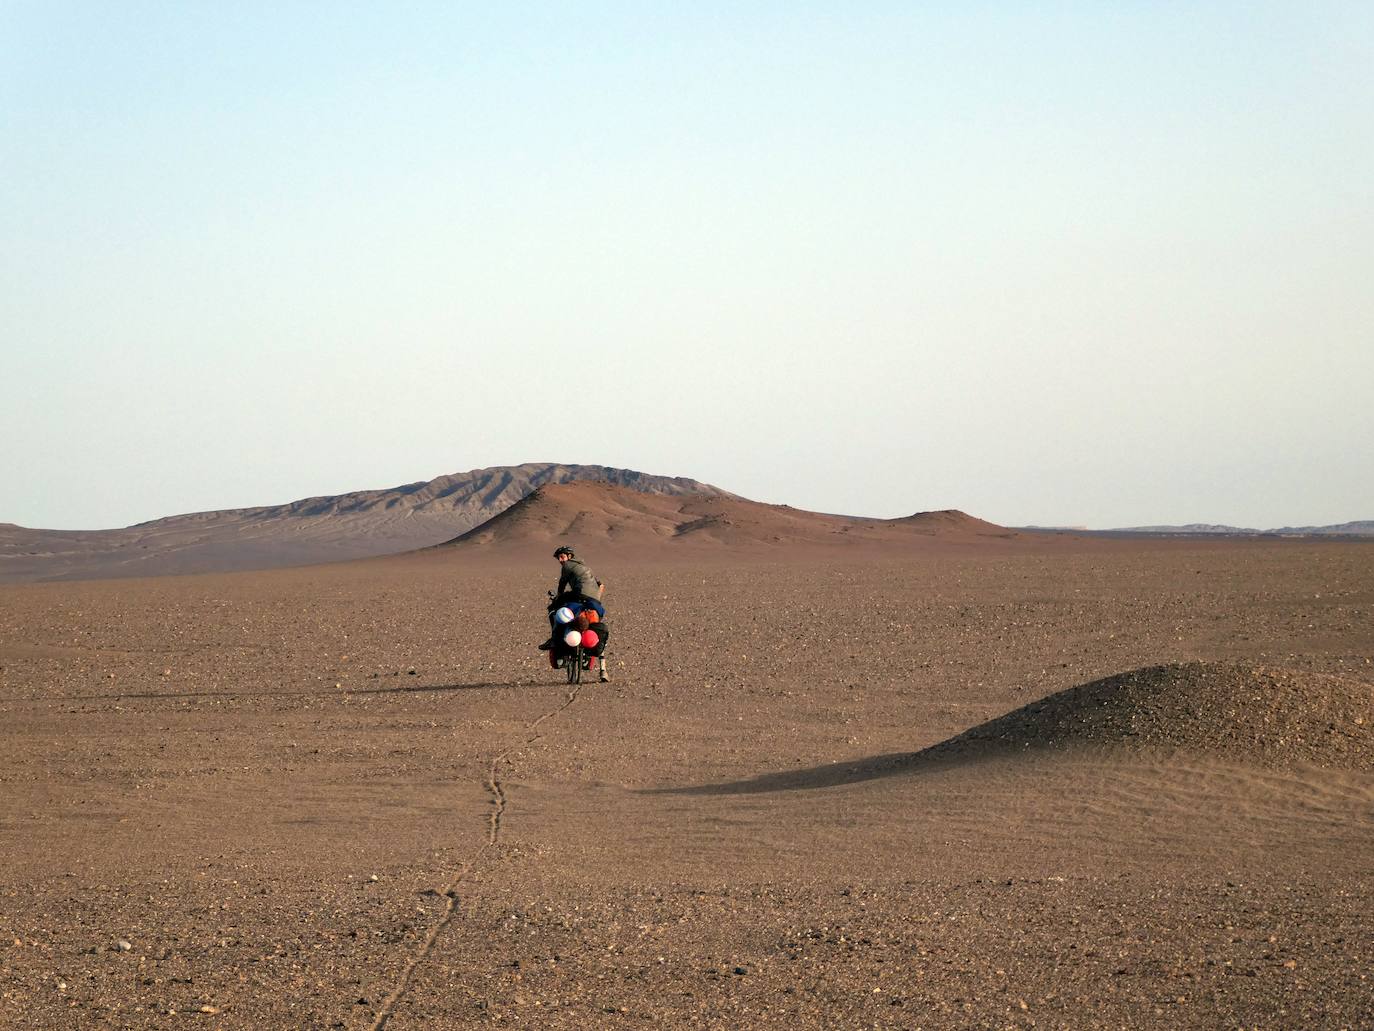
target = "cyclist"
x: 576, y: 583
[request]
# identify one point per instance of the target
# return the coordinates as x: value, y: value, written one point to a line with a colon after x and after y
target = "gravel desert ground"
x: 355, y: 796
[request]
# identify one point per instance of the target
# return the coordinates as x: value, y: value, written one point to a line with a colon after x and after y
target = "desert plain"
x: 355, y: 796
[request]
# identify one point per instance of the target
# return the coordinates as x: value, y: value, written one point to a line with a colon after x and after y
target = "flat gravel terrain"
x: 357, y: 797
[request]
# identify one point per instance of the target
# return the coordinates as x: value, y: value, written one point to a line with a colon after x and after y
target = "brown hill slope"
x: 597, y: 511
x: 323, y: 529
x: 1247, y: 714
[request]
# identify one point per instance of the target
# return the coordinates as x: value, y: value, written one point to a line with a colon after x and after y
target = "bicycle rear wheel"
x: 573, y: 665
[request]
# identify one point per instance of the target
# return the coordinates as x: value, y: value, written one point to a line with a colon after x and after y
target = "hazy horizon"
x: 1098, y: 265
x: 393, y: 486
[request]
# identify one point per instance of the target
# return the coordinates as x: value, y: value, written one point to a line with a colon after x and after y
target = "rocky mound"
x: 950, y: 520
x: 1253, y: 715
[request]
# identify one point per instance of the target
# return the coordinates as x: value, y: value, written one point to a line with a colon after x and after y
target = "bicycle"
x: 576, y: 662
x: 578, y: 659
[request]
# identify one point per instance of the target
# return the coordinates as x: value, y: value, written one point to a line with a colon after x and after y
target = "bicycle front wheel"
x: 573, y: 665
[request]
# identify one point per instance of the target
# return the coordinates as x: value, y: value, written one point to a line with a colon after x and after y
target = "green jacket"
x: 576, y: 578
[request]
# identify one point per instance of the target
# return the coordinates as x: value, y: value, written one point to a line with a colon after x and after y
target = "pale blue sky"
x: 1100, y: 264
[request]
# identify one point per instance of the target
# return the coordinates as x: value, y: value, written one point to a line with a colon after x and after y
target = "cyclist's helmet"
x: 562, y: 549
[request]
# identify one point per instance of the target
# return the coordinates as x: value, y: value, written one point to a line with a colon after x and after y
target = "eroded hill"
x: 361, y: 524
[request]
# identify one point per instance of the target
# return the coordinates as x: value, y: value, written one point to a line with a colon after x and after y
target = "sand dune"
x: 608, y: 514
x: 1184, y: 713
x: 1247, y: 714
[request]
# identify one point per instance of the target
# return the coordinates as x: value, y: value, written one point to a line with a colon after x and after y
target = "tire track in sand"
x: 450, y: 890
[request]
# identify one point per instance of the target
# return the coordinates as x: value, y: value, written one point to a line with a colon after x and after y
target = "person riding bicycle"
x: 577, y: 584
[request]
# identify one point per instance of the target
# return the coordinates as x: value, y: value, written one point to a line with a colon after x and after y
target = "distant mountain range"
x: 361, y: 524
x: 1358, y: 528
x: 514, y: 510
x: 514, y: 507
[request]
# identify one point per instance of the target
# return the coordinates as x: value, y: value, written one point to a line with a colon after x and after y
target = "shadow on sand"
x: 337, y: 693
x: 831, y: 775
